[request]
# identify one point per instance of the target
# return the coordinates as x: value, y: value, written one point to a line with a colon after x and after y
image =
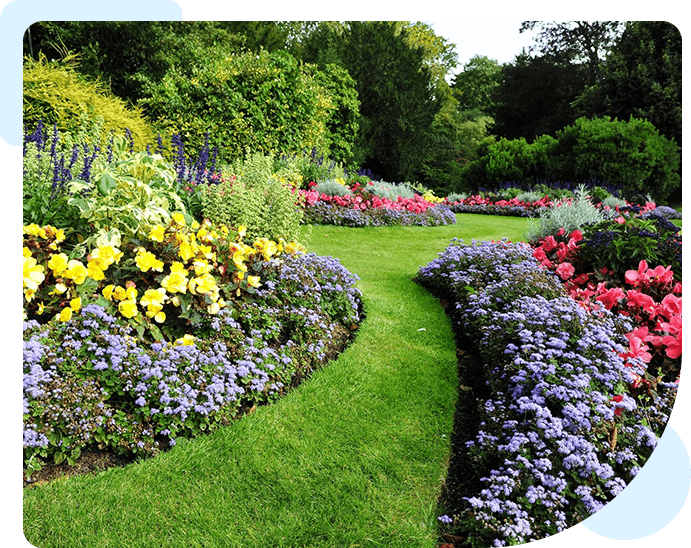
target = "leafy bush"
x: 621, y: 244
x: 128, y: 197
x: 509, y: 160
x: 631, y: 154
x: 309, y: 168
x: 390, y: 191
x: 56, y: 93
x: 252, y: 196
x: 263, y: 102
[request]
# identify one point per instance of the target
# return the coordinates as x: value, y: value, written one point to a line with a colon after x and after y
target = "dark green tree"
x: 575, y: 42
x: 535, y: 97
x: 642, y: 77
x: 397, y: 103
x: 476, y: 85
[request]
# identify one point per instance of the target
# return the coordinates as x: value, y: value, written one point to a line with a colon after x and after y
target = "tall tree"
x: 535, y: 97
x: 477, y: 84
x: 397, y: 100
x: 575, y: 42
x: 643, y: 77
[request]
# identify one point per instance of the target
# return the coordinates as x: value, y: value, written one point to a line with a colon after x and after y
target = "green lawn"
x: 354, y: 457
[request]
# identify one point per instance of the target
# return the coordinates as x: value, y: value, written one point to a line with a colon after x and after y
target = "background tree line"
x: 381, y: 95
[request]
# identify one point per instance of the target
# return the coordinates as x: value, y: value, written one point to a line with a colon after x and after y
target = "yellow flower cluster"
x: 205, y: 257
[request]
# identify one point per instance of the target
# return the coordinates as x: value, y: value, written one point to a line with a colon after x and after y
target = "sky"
x: 498, y: 40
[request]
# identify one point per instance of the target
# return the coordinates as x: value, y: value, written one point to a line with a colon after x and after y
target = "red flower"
x: 565, y: 270
x: 617, y: 399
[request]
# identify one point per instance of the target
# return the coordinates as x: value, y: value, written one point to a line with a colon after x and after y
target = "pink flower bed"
x: 650, y: 297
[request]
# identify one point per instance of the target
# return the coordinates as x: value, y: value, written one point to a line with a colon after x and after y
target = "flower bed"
x: 144, y: 345
x: 565, y: 414
x: 359, y: 207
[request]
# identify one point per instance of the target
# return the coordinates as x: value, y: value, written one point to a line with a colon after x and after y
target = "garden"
x: 147, y: 326
x: 237, y: 336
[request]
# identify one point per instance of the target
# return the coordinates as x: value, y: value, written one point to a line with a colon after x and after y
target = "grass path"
x: 354, y: 457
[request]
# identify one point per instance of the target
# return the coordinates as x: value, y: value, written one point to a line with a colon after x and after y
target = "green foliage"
x: 262, y: 102
x: 620, y: 246
x: 134, y: 193
x: 509, y: 160
x: 570, y: 215
x: 332, y: 188
x: 56, y: 93
x: 304, y: 168
x: 342, y: 122
x: 251, y: 195
x: 390, y: 190
x: 631, y: 154
x: 476, y: 84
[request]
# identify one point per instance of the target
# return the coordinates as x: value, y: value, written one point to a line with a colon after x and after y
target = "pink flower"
x: 549, y: 244
x: 565, y: 270
x: 620, y: 220
x: 637, y: 349
x: 610, y: 298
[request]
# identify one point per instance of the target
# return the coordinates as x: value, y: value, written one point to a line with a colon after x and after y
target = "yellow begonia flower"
x: 119, y: 293
x: 213, y: 308
x: 153, y: 300
x: 187, y: 249
x: 94, y: 271
x: 176, y: 301
x: 27, y: 252
x: 266, y: 247
x: 76, y: 304
x: 157, y: 233
x: 106, y: 255
x: 65, y: 315
x: 128, y: 308
x: 178, y: 218
x: 253, y: 281
x: 29, y: 294
x: 75, y: 272
x: 59, y: 289
x: 108, y: 292
x: 201, y: 267
x: 176, y: 281
x: 242, y: 231
x: 203, y: 284
x: 185, y: 340
x: 131, y: 293
x: 33, y: 273
x: 160, y: 317
x: 58, y: 263
x: 34, y: 230
x: 147, y: 261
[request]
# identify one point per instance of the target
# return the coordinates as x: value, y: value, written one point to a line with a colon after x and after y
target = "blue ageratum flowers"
x: 559, y: 432
x: 90, y: 382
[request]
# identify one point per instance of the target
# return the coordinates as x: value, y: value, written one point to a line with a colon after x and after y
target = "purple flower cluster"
x: 559, y: 434
x: 90, y: 381
x: 322, y: 213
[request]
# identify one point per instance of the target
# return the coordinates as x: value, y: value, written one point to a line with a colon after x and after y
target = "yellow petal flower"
x: 160, y: 317
x: 185, y: 340
x: 76, y: 304
x: 147, y: 261
x: 178, y: 218
x: 76, y: 272
x: 157, y: 233
x: 213, y: 308
x: 65, y: 315
x: 108, y: 292
x: 253, y: 281
x: 58, y: 263
x: 33, y: 273
x: 128, y: 308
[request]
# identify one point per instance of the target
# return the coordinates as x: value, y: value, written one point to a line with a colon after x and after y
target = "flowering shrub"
x: 90, y: 382
x: 562, y: 425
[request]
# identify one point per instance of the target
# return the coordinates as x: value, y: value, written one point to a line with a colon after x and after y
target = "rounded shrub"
x: 631, y: 154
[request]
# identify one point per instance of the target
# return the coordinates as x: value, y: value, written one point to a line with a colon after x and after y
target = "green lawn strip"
x: 353, y: 457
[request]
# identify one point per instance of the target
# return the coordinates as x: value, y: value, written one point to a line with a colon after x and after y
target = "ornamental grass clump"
x: 562, y: 424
